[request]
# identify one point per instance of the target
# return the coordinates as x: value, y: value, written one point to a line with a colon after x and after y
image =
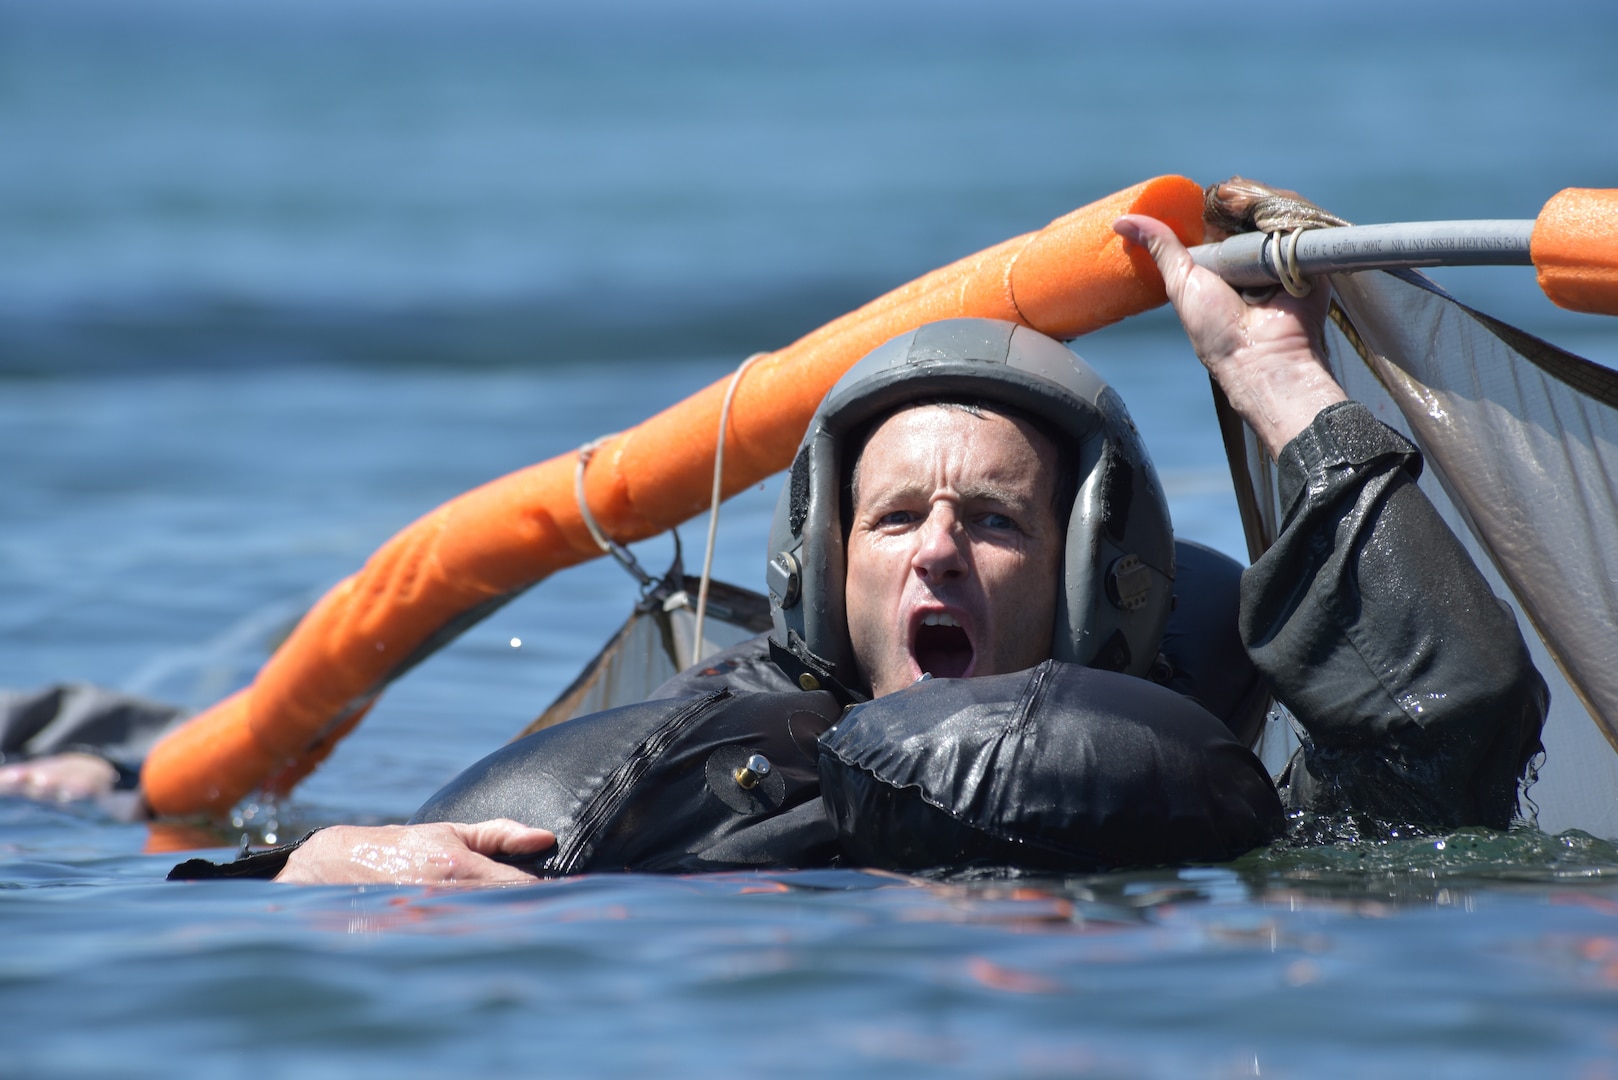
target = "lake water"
x: 277, y: 279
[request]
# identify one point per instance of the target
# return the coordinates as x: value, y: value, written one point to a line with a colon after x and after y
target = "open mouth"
x: 941, y: 647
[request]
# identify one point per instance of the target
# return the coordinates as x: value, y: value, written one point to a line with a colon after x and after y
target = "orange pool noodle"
x: 1575, y: 250
x: 439, y: 575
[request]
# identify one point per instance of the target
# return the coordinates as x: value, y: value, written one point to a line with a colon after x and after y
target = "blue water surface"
x: 276, y: 279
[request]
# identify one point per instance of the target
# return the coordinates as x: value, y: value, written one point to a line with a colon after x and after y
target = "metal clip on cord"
x: 625, y: 558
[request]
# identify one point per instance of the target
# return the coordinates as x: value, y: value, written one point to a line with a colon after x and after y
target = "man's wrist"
x: 1281, y: 400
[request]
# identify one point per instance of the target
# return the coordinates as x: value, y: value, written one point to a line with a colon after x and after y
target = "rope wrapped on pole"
x: 1573, y: 245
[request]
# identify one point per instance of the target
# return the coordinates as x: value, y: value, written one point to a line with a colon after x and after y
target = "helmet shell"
x: 1118, y: 562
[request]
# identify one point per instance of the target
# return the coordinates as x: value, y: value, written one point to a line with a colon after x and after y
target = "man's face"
x: 954, y: 548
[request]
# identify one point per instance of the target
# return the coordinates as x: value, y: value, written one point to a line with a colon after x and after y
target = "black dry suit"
x: 1415, y: 695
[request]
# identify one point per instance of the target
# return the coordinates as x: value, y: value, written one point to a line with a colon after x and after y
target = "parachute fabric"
x: 656, y: 643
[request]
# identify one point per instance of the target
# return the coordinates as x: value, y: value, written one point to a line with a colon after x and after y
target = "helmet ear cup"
x: 1118, y: 569
x: 1118, y: 561
x: 784, y: 572
x: 805, y: 570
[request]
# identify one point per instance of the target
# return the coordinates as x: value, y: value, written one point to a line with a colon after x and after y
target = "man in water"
x: 1366, y: 617
x: 952, y: 560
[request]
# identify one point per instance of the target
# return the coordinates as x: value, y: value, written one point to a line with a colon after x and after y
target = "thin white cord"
x: 1286, y: 264
x: 713, y: 510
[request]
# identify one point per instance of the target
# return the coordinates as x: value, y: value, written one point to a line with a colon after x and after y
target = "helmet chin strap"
x: 810, y: 674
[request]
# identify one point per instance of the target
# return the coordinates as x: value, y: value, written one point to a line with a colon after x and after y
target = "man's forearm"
x: 1374, y: 627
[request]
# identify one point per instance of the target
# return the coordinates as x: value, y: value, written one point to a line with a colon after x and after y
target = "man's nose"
x: 941, y: 548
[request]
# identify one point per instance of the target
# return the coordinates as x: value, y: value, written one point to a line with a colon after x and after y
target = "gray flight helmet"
x: 1118, y: 563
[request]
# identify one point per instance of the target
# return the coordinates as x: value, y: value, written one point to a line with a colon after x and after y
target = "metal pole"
x: 1250, y: 260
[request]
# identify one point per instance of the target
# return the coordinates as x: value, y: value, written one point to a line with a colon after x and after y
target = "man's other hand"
x: 437, y: 853
x: 59, y: 778
x: 1268, y: 357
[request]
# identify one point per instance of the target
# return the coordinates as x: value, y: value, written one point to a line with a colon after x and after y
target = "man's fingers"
x: 1173, y: 260
x: 502, y: 836
x: 487, y: 840
x: 489, y: 872
x: 429, y: 854
x: 59, y: 778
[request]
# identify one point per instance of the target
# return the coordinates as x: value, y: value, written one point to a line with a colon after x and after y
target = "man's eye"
x: 896, y: 517
x: 999, y: 521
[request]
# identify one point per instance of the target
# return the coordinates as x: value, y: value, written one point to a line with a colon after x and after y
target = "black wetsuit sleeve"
x: 1416, y: 695
x: 262, y: 865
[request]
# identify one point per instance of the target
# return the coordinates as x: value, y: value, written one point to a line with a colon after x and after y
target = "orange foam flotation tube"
x: 462, y: 560
x: 1575, y: 250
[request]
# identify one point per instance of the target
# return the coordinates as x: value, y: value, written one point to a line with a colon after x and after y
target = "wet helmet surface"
x: 1118, y: 562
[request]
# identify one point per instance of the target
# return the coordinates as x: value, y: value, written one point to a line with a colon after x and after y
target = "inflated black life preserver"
x: 1061, y: 768
x: 1057, y: 768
